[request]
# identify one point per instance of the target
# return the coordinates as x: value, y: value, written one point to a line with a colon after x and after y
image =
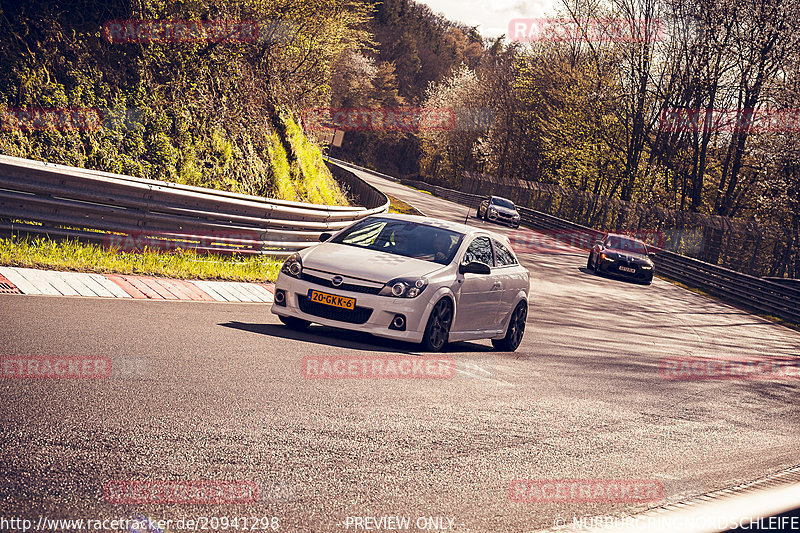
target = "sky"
x: 491, y: 16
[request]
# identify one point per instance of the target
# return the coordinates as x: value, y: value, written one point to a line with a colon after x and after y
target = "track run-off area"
x: 213, y: 392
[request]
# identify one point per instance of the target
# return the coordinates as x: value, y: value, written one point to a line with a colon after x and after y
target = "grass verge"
x: 181, y: 264
x: 399, y: 206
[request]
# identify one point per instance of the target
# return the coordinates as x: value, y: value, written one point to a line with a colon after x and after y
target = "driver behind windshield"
x: 441, y: 246
x: 408, y: 239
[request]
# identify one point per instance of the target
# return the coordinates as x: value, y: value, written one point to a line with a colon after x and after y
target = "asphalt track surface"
x: 213, y: 391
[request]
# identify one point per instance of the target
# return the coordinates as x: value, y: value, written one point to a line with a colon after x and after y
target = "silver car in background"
x: 497, y: 209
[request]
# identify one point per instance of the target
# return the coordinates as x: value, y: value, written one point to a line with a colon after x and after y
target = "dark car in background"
x: 623, y: 256
x: 497, y: 209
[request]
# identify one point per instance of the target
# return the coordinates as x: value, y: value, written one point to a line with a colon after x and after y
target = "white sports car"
x: 410, y: 278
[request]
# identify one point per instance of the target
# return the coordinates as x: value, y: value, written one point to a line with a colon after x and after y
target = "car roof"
x: 500, y: 198
x: 628, y: 237
x: 445, y: 224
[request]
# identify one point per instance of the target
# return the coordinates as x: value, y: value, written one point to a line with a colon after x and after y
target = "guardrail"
x: 765, y: 296
x: 351, y: 165
x: 776, y: 298
x: 131, y: 213
x: 791, y: 282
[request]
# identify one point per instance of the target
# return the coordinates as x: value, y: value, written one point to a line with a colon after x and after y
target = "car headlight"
x: 492, y: 211
x: 293, y: 266
x: 647, y: 267
x: 404, y: 287
x: 607, y: 257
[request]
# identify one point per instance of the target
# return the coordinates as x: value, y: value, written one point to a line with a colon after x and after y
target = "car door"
x: 511, y: 276
x: 478, y: 297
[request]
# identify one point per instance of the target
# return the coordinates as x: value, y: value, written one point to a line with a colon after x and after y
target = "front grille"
x: 343, y: 287
x: 638, y: 274
x: 359, y: 315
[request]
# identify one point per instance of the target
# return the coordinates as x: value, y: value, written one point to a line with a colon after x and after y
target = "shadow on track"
x: 353, y: 340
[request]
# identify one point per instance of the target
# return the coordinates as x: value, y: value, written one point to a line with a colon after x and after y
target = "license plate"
x: 330, y: 299
x: 629, y: 270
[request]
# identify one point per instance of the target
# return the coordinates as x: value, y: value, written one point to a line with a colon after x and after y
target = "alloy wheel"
x: 438, y: 329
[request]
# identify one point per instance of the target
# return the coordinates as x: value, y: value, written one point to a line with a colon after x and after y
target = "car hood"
x: 365, y: 264
x: 627, y: 255
x: 504, y: 210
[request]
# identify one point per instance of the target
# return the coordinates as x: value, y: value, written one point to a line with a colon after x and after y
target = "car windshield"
x: 502, y: 202
x: 400, y: 237
x: 628, y: 245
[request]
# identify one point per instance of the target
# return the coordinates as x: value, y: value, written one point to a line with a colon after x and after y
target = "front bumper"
x: 612, y: 268
x: 503, y: 219
x: 375, y: 313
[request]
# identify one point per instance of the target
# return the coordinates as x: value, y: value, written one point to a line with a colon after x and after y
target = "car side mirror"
x: 474, y: 267
x: 324, y: 236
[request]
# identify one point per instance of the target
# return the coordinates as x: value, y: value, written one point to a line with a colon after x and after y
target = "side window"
x: 503, y: 254
x: 480, y: 250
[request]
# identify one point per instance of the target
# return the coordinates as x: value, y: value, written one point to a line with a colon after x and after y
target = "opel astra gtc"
x: 409, y: 278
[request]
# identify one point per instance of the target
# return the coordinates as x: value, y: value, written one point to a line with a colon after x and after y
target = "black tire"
x: 478, y: 213
x: 437, y: 330
x: 589, y: 261
x: 294, y: 323
x: 597, y: 265
x: 515, y: 330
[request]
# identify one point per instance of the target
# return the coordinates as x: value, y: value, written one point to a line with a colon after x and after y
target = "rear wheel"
x: 294, y: 323
x: 438, y: 329
x: 515, y: 331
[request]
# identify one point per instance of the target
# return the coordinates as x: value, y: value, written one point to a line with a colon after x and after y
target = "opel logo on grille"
x: 336, y: 281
